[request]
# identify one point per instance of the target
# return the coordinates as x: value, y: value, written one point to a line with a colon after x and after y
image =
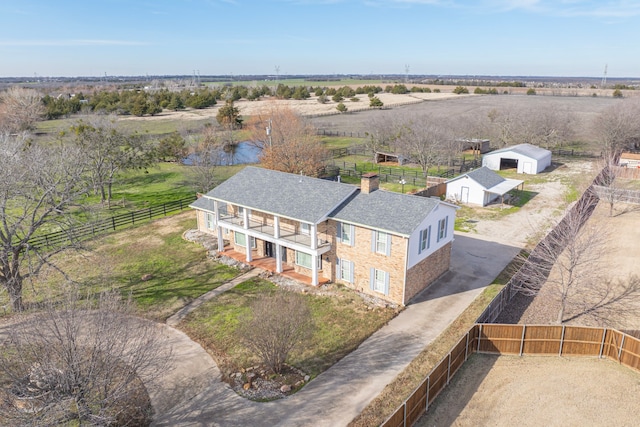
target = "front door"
x: 464, y: 194
x: 269, y: 250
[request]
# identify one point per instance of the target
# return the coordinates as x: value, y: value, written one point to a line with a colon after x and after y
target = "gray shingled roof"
x: 383, y: 210
x: 524, y: 149
x: 203, y: 203
x: 485, y: 177
x: 293, y: 196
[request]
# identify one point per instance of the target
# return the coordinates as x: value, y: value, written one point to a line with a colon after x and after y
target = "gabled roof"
x: 525, y: 150
x: 288, y: 195
x: 490, y: 181
x: 485, y: 177
x: 384, y: 210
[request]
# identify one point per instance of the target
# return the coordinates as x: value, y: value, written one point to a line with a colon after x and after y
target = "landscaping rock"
x: 285, y: 388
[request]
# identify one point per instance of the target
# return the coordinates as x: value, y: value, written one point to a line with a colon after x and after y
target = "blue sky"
x: 481, y: 37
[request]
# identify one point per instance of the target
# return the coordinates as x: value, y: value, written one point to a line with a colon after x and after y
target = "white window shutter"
x: 429, y: 238
x: 351, y: 267
x: 420, y: 241
x: 388, y: 244
x: 386, y: 283
x: 373, y: 241
x: 339, y: 231
x: 353, y: 235
x: 446, y: 226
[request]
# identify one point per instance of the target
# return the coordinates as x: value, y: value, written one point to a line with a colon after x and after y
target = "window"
x: 425, y: 239
x: 381, y: 242
x: 442, y: 228
x: 211, y: 223
x: 346, y: 233
x: 240, y: 211
x: 305, y: 228
x: 379, y: 281
x: 241, y: 240
x: 304, y: 260
x: 345, y: 270
x: 222, y: 208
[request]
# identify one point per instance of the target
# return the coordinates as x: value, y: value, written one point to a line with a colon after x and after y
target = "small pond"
x: 241, y: 153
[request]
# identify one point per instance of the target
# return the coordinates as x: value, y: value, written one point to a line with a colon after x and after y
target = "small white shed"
x: 525, y: 158
x: 479, y: 187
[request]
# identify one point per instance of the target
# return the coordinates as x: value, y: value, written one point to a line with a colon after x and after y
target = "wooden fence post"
x: 479, y: 338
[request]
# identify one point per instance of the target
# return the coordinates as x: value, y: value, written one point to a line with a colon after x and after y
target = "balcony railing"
x: 286, y: 233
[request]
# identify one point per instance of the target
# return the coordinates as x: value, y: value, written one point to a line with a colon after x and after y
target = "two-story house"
x: 382, y: 243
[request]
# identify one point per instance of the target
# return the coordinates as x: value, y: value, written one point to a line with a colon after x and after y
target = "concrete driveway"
x: 193, y: 395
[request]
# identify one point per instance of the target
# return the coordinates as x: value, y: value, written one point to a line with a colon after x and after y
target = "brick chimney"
x: 369, y: 182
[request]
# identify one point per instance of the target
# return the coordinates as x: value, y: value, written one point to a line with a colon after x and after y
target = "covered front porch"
x: 269, y: 264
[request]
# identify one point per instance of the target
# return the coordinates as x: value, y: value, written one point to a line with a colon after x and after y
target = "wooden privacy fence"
x: 519, y: 340
x: 91, y: 229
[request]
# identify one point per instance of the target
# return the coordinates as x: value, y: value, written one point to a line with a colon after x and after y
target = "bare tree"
x: 82, y: 359
x: 109, y: 151
x: 422, y: 139
x: 280, y: 322
x: 289, y: 143
x: 19, y: 109
x: 567, y: 266
x: 382, y: 132
x: 206, y: 155
x: 38, y: 187
x: 503, y: 125
x: 550, y: 128
x: 610, y: 188
x: 618, y: 127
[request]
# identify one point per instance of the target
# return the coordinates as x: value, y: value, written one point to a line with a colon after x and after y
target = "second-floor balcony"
x: 267, y: 231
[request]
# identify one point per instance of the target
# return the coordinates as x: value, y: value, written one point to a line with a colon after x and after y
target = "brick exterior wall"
x: 364, y: 259
x: 421, y: 275
x: 402, y: 286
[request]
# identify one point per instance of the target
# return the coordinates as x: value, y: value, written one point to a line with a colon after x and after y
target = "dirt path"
x: 537, y: 391
x: 547, y: 204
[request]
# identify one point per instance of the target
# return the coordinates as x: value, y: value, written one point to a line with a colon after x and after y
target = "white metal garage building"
x: 525, y: 158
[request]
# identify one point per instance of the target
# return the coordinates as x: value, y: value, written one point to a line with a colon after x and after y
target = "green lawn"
x: 180, y: 270
x: 341, y: 323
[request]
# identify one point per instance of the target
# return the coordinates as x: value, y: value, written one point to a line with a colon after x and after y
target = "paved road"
x: 193, y: 395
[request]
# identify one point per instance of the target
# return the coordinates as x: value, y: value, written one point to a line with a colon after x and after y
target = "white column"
x: 216, y: 215
x: 314, y: 236
x: 276, y: 227
x: 248, y: 247
x: 314, y: 270
x: 245, y: 218
x: 279, y: 250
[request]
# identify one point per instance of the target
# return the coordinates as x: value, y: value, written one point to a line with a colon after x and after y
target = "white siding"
x: 492, y: 161
x: 442, y: 211
x: 477, y: 195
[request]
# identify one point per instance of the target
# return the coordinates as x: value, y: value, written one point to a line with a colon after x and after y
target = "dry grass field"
x: 537, y: 391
